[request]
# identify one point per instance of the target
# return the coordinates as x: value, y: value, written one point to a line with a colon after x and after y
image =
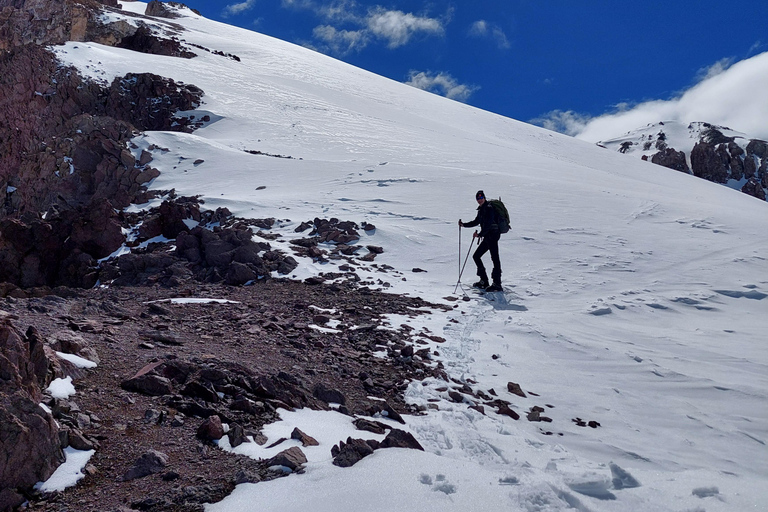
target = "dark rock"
x: 148, y: 384
x: 709, y: 163
x: 328, y: 395
x: 202, y: 390
x: 350, y: 453
x: 515, y: 389
x: 292, y: 458
x: 237, y: 435
x: 211, y: 429
x: 371, y: 426
x: 149, y: 463
x: 401, y: 439
x: 672, y: 159
x: 507, y: 411
x: 304, y: 438
x: 80, y: 442
x: 753, y: 188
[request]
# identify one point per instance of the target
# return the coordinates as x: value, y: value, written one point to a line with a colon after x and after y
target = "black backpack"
x: 502, y: 214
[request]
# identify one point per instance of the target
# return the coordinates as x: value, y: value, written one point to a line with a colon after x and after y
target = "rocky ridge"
x: 714, y: 153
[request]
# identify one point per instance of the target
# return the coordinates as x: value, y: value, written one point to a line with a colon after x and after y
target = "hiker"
x: 488, y: 220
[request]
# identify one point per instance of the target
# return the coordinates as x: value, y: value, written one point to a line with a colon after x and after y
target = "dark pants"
x: 489, y: 243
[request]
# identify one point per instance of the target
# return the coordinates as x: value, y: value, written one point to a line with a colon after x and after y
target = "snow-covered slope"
x: 635, y: 295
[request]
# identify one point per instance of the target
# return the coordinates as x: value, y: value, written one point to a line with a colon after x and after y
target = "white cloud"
x: 714, y: 70
x: 442, y: 84
x: 478, y: 28
x: 567, y: 122
x: 735, y: 96
x: 341, y: 42
x: 483, y: 29
x: 235, y: 9
x: 398, y: 27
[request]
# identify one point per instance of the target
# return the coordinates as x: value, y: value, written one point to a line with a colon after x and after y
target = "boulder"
x: 211, y: 429
x: 149, y: 463
x: 292, y: 458
x: 401, y: 439
x: 350, y: 453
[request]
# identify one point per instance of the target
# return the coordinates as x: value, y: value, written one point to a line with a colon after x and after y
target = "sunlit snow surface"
x: 69, y: 473
x: 61, y: 387
x: 635, y: 295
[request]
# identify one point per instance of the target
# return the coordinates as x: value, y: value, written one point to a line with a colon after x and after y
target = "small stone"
x: 515, y: 389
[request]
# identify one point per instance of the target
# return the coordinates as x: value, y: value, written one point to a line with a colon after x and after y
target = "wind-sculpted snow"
x: 632, y: 313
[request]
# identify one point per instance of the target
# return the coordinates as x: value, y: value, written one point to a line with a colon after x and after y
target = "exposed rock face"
x: 165, y: 10
x: 710, y: 163
x: 29, y: 439
x: 671, y: 158
x: 64, y: 140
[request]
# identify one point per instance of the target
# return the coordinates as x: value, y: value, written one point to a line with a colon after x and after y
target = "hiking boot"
x: 482, y: 284
x: 495, y: 287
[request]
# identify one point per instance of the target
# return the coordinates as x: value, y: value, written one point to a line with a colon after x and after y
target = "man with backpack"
x: 492, y: 224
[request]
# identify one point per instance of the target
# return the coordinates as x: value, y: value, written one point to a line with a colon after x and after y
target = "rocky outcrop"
x: 710, y: 162
x: 29, y: 440
x: 719, y: 158
x: 714, y: 153
x: 61, y: 251
x: 671, y: 158
x: 165, y: 10
x: 65, y: 160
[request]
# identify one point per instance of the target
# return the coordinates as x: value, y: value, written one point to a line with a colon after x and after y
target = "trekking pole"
x: 457, y: 282
x: 465, y: 263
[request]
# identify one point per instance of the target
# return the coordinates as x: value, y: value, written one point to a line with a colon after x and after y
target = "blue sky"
x: 562, y: 61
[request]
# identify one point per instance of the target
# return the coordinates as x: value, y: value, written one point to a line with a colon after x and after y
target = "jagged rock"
x: 30, y: 447
x: 401, y: 439
x: 350, y: 453
x: 236, y: 435
x: 672, y: 159
x: 304, y: 438
x: 754, y: 188
x: 292, y: 458
x: 151, y: 462
x: 515, y: 389
x: 710, y: 163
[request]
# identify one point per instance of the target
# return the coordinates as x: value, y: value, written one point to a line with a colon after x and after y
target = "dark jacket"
x: 487, y: 219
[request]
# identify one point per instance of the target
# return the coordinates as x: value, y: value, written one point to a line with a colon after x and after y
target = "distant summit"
x: 715, y: 153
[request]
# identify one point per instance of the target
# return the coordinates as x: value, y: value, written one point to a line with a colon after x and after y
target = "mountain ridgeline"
x: 714, y: 153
